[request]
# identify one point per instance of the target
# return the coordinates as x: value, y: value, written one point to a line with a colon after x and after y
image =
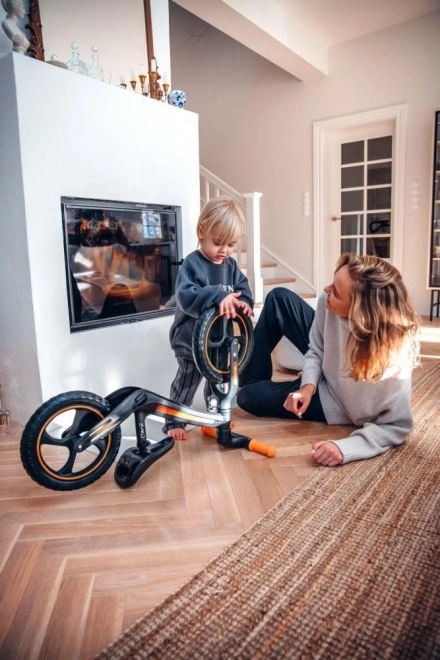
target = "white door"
x: 358, y: 171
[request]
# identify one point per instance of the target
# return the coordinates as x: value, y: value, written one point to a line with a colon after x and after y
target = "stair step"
x: 264, y: 264
x: 278, y: 280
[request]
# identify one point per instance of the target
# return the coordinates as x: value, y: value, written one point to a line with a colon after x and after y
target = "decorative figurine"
x: 177, y: 98
x: 15, y: 12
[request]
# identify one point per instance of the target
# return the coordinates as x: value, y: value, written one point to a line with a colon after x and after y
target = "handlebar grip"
x: 261, y: 448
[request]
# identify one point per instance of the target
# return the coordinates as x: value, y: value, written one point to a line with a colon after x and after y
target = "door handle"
x: 336, y: 217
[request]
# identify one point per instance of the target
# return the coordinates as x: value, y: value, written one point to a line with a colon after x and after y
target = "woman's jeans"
x: 284, y: 314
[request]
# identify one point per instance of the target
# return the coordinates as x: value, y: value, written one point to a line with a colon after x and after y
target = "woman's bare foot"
x: 177, y: 434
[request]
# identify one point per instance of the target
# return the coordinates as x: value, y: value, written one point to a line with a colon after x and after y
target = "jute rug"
x: 345, y: 566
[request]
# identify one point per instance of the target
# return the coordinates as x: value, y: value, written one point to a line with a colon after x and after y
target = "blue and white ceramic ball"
x: 177, y: 97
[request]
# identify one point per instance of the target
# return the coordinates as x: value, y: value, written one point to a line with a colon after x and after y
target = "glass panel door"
x: 366, y: 196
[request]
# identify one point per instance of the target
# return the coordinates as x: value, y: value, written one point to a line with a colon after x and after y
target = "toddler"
x: 208, y: 276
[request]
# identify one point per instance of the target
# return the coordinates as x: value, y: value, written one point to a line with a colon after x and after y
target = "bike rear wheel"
x: 48, y: 442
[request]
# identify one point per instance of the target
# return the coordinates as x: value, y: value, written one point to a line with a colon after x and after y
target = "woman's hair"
x: 222, y: 218
x: 382, y: 319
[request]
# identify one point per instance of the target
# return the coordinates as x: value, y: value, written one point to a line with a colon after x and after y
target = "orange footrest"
x: 261, y: 448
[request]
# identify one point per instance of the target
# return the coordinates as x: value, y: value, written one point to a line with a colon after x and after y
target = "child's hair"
x: 383, y: 322
x: 222, y: 218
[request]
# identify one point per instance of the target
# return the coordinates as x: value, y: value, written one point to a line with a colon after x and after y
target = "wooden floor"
x: 78, y: 568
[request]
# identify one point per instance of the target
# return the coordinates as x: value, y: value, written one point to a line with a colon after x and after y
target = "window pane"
x: 378, y: 198
x: 378, y: 174
x: 352, y: 201
x: 378, y: 223
x: 435, y: 273
x: 380, y: 247
x: 352, y: 152
x: 379, y: 148
x: 352, y: 177
x: 352, y: 224
x: 355, y: 245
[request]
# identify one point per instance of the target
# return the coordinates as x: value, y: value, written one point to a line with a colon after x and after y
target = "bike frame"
x: 144, y: 403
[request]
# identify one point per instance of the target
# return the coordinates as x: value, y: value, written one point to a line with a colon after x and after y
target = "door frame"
x: 323, y: 135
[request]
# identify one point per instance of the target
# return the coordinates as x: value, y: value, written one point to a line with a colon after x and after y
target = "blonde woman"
x: 208, y: 276
x: 360, y: 348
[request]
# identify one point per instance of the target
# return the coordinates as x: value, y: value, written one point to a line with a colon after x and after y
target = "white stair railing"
x: 212, y: 186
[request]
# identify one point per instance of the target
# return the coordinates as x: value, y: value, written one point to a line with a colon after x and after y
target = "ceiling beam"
x: 267, y: 29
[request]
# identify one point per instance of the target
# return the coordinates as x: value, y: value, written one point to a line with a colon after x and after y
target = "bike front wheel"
x: 211, y: 344
x: 48, y: 442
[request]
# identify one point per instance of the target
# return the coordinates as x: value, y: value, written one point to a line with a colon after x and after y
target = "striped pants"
x: 184, y: 387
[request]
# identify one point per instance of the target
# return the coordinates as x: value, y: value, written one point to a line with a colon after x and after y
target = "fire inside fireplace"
x: 121, y: 260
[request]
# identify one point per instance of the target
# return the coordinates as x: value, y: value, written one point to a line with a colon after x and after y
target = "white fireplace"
x: 62, y: 134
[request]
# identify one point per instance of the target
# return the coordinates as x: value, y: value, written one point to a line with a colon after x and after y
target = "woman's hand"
x: 327, y: 453
x: 298, y: 402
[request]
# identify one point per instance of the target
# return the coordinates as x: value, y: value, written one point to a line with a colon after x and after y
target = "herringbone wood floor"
x: 77, y: 568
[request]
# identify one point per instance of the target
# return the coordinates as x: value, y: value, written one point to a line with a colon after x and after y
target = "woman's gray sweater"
x: 381, y: 410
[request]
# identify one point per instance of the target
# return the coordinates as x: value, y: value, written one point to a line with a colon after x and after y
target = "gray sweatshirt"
x: 381, y: 410
x: 201, y: 283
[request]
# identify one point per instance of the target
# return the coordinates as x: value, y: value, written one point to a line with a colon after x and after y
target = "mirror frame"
x: 36, y: 48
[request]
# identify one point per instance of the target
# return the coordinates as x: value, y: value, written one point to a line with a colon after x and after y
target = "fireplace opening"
x: 121, y: 260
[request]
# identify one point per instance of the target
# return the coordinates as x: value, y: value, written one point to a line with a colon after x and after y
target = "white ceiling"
x: 336, y: 21
x: 296, y: 34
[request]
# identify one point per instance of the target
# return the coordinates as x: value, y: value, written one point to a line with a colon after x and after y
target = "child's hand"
x: 245, y: 308
x: 327, y: 453
x: 228, y: 305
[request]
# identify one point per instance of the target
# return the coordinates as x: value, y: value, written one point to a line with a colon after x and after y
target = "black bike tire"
x: 199, y: 345
x: 34, y: 463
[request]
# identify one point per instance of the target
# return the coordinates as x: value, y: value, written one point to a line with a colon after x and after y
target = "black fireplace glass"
x: 121, y: 260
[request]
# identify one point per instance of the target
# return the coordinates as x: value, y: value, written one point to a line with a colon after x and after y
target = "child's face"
x: 213, y: 249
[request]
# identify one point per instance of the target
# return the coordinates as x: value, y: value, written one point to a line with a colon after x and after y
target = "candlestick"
x: 142, y: 78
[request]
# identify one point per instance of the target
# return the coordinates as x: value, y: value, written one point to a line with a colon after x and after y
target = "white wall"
x: 118, y: 29
x: 66, y: 135
x: 256, y: 122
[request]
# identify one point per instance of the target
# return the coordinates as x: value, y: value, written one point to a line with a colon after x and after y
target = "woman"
x: 15, y: 12
x: 357, y: 369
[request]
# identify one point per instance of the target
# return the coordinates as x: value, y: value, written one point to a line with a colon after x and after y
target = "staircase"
x: 263, y: 270
x: 270, y: 272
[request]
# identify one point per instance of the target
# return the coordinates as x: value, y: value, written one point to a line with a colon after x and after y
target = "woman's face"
x: 339, y: 293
